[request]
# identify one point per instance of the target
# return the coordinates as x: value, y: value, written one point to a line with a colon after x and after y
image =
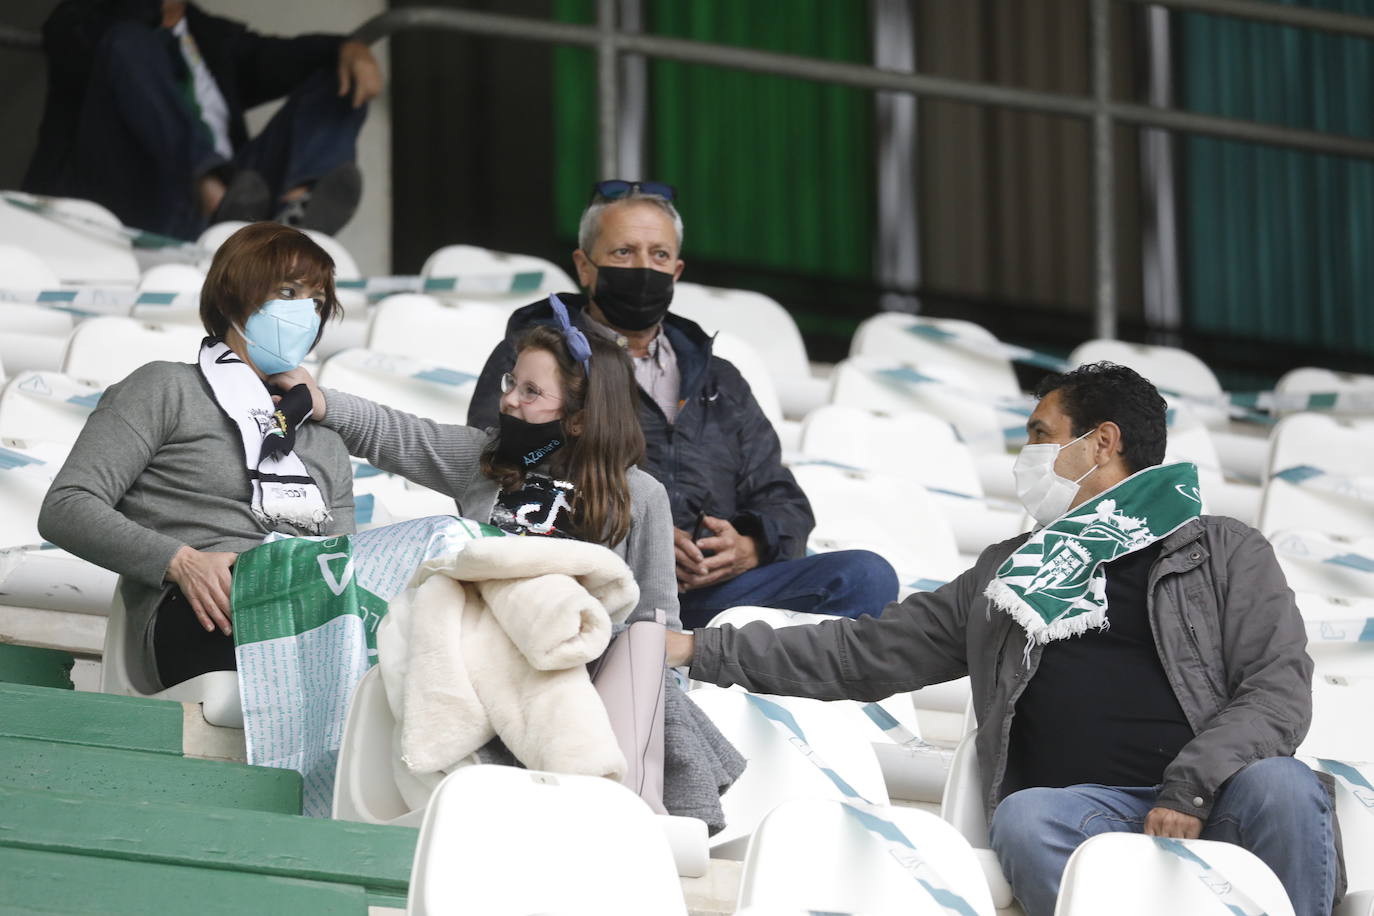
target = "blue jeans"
x: 1275, y: 808
x: 846, y: 583
x: 140, y: 148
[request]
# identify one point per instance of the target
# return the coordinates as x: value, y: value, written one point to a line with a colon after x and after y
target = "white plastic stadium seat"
x: 1340, y: 703
x: 936, y: 712
x: 1173, y: 371
x: 1131, y: 874
x: 885, y: 385
x: 105, y: 349
x: 962, y: 807
x: 814, y: 856
x: 750, y: 363
x: 1312, y: 380
x: 1319, y: 476
x: 767, y: 327
x: 215, y: 236
x: 510, y: 842
x: 45, y: 407
x: 32, y: 337
x: 777, y: 770
x: 421, y: 327
x: 22, y: 269
x: 497, y: 275
x: 924, y: 448
x: 423, y: 388
x: 1333, y: 565
x: 216, y: 691
x: 76, y: 254
x: 892, y: 516
x: 965, y: 351
x: 182, y: 279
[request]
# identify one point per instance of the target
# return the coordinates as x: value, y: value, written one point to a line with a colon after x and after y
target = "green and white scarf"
x: 1054, y: 585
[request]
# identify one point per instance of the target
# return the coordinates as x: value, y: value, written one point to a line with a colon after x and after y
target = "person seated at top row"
x: 740, y: 520
x: 183, y: 466
x: 145, y: 115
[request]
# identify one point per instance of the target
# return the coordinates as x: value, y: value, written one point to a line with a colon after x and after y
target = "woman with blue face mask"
x: 183, y: 466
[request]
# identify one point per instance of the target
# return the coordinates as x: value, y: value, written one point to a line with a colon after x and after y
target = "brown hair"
x: 603, y: 405
x: 249, y: 266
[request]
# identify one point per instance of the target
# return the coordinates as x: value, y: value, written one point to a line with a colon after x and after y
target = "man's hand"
x: 1170, y: 823
x: 679, y: 647
x: 206, y: 582
x: 358, y: 71
x: 733, y: 553
x: 298, y: 376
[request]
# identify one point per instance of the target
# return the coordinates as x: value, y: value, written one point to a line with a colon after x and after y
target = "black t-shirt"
x: 1099, y: 708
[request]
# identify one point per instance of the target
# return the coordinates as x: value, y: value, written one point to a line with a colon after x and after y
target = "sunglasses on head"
x: 616, y: 188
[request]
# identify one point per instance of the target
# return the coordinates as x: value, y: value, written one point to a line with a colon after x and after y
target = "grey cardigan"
x: 158, y: 465
x: 447, y: 458
x: 1229, y: 635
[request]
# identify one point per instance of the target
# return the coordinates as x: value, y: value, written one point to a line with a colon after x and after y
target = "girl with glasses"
x: 562, y: 461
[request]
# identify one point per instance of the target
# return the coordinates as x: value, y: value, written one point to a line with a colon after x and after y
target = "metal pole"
x: 1302, y: 17
x: 607, y: 88
x: 1104, y: 176
x: 861, y: 76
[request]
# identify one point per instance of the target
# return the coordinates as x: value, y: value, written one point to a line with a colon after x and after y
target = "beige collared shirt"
x: 657, y: 373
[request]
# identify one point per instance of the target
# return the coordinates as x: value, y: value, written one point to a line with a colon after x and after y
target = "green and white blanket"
x: 1054, y: 585
x: 305, y: 629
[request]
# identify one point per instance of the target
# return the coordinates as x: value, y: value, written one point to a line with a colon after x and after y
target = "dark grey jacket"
x: 720, y: 454
x: 1228, y: 632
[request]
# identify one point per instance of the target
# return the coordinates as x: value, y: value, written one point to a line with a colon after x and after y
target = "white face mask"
x: 1044, y: 493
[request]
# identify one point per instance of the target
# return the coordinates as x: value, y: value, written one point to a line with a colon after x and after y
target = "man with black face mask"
x: 740, y: 520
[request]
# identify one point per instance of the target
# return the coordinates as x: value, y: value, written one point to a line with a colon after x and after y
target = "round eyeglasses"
x: 527, y: 392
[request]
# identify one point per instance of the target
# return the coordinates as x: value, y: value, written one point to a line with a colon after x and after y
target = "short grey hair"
x: 589, y: 228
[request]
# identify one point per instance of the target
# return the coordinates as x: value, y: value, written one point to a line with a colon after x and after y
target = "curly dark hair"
x: 1098, y: 392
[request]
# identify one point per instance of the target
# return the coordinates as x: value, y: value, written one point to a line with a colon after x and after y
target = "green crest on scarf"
x: 1054, y: 585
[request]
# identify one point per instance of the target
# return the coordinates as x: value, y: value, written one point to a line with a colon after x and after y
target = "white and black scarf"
x: 283, y: 490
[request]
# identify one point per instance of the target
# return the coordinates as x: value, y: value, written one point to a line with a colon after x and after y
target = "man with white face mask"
x: 1137, y: 666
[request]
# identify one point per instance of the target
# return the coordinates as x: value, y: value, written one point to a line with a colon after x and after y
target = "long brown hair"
x: 249, y: 266
x: 603, y: 407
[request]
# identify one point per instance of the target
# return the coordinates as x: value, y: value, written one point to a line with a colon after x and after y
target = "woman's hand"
x: 298, y: 376
x: 205, y: 580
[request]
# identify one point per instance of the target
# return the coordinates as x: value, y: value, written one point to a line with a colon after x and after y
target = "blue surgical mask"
x: 281, y: 333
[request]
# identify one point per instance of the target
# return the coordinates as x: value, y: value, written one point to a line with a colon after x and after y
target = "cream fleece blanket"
x: 493, y: 640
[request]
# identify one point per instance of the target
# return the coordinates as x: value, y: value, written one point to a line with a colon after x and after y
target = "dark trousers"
x: 140, y: 148
x: 182, y: 647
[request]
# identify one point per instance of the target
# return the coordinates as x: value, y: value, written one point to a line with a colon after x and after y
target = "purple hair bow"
x: 577, y: 343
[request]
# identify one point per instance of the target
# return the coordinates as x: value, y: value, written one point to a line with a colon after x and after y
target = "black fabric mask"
x: 633, y: 298
x: 526, y: 444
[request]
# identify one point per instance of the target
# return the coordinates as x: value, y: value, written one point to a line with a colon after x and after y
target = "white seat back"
x: 1312, y: 380
x: 45, y: 407
x: 814, y: 855
x: 1340, y: 706
x: 364, y: 789
x: 891, y: 516
x: 1135, y: 875
x: 959, y: 350
x: 216, y: 691
x: 26, y: 471
x: 1171, y: 370
x: 32, y: 337
x: 22, y: 269
x: 422, y: 327
x: 501, y: 840
x: 105, y: 349
x: 425, y: 389
x: 1319, y: 476
x: 883, y: 385
x: 753, y: 366
x: 754, y: 318
x: 916, y: 444
x: 75, y: 253
x: 777, y: 770
x: 497, y: 274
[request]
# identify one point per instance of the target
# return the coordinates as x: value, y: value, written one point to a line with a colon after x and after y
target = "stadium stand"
x: 920, y: 423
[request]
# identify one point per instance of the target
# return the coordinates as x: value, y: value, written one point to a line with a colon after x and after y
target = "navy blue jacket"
x: 720, y: 453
